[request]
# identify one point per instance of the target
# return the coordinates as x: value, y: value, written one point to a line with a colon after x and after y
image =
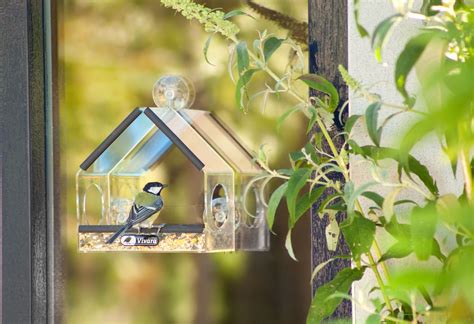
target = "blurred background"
x: 111, y: 53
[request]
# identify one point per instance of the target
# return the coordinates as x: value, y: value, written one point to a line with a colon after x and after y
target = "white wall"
x: 364, y: 67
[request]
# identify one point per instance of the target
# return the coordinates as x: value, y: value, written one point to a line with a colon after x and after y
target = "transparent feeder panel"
x: 184, y: 196
x: 130, y: 137
x: 97, y: 176
x: 219, y: 215
x: 222, y: 139
x: 92, y: 199
x: 190, y: 138
x: 252, y: 233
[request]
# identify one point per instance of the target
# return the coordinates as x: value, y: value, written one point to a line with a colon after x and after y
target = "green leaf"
x: 405, y: 201
x: 350, y: 122
x: 242, y: 57
x: 340, y: 206
x: 286, y: 172
x: 297, y: 156
x: 206, y: 48
x: 359, y: 234
x: 381, y: 34
x: 389, y: 202
x: 425, y: 295
x: 371, y: 117
x: 436, y: 251
x: 314, y: 116
x: 407, y: 60
x: 472, y: 166
x: 324, y: 204
x: 289, y: 246
x: 412, y: 165
x: 317, y: 82
x: 451, y: 141
x: 322, y: 306
x: 270, y: 46
x: 422, y: 230
x: 461, y: 263
x: 273, y: 203
x: 256, y: 47
x: 296, y: 182
x: 362, y: 31
x: 240, y: 86
x: 426, y: 7
x: 354, y: 147
x: 398, y: 250
x: 309, y: 149
x: 285, y: 116
x: 398, y: 230
x: 373, y: 319
x: 305, y: 202
x: 320, y: 266
x: 237, y: 12
x: 412, y: 137
x: 375, y: 197
x: 410, y: 278
x: 404, y: 245
x: 262, y: 156
x: 351, y: 197
x: 415, y: 167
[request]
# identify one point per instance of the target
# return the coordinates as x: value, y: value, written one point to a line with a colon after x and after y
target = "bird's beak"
x: 165, y: 185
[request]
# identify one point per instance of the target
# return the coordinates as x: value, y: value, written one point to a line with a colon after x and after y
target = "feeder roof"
x: 148, y: 133
x: 222, y: 139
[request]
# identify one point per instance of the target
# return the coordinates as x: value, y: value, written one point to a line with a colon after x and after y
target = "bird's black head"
x: 154, y: 188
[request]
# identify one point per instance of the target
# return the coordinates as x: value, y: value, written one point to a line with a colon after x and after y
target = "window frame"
x: 31, y: 277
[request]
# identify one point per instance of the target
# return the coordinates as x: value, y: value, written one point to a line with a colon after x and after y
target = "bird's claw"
x: 160, y: 227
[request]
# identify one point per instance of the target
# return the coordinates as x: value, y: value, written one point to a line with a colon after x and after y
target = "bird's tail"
x: 118, y: 233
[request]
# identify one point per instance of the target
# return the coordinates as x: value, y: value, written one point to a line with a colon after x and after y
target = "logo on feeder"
x: 139, y: 240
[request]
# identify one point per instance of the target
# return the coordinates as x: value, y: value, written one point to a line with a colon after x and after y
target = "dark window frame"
x: 31, y: 278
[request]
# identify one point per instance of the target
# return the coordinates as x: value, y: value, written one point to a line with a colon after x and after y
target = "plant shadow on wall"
x: 428, y: 225
x: 112, y: 53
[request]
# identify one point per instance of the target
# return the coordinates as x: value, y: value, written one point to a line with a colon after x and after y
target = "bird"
x: 145, y: 205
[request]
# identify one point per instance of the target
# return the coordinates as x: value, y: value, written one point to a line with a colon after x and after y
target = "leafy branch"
x: 449, y: 115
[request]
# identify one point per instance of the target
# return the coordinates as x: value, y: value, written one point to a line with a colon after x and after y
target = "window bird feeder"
x: 211, y: 203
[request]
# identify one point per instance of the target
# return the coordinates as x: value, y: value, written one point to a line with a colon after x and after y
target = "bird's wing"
x: 145, y: 205
x: 142, y: 215
x: 146, y: 199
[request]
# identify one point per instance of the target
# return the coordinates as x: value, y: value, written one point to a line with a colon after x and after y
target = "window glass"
x: 110, y: 55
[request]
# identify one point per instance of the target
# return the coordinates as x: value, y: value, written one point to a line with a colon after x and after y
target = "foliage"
x: 214, y: 21
x: 444, y: 286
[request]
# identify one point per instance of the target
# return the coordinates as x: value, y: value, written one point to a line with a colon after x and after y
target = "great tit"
x: 145, y: 205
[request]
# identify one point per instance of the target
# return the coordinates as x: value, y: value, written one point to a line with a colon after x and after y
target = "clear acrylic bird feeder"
x: 207, y: 168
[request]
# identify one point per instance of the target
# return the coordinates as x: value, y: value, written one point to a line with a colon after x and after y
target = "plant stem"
x: 377, y: 250
x: 378, y: 253
x: 274, y: 76
x: 384, y: 317
x: 379, y: 281
x: 321, y: 125
x: 341, y: 164
x: 413, y: 308
x: 466, y: 167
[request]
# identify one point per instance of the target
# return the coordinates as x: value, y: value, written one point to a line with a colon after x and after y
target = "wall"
x: 379, y: 76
